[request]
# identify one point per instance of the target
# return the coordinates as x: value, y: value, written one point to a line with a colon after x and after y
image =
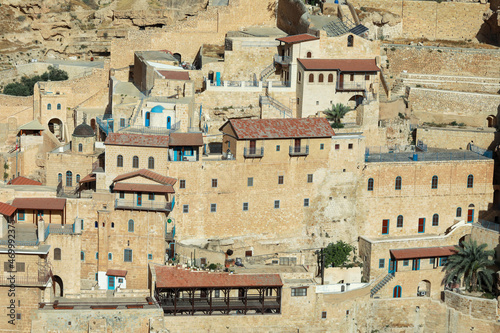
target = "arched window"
x: 58, y: 106
x: 130, y: 225
x: 435, y: 220
x: 110, y: 256
x: 309, y: 55
x: 78, y: 178
x: 470, y: 181
x: 112, y: 225
x: 350, y: 41
x: 397, y: 292
x: 135, y: 162
x: 69, y: 178
x: 400, y: 221
x: 398, y: 183
x: 59, y: 177
x: 370, y: 184
x: 119, y: 161
x: 49, y: 106
x: 151, y: 162
x: 330, y: 77
x: 459, y: 212
x: 434, y: 182
x: 80, y: 147
x: 311, y: 77
x: 57, y: 253
x: 320, y: 79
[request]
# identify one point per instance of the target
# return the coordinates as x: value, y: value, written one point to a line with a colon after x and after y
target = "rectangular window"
x: 216, y: 293
x: 385, y: 227
x: 122, y: 122
x: 8, y: 267
x: 20, y: 215
x: 182, y: 183
x: 277, y: 147
x: 350, y: 146
x: 432, y: 261
x: 406, y: 262
x: 20, y: 267
x: 306, y: 202
x: 337, y: 146
x: 381, y: 263
x: 213, y: 208
x: 250, y: 181
x: 122, y: 195
x: 151, y: 196
x: 299, y: 292
x: 310, y: 178
x: 281, y: 180
x: 127, y: 255
x: 82, y: 256
x: 245, y: 206
x: 96, y: 276
x: 323, y: 315
x: 81, y: 224
x: 443, y: 261
x: 97, y: 255
x: 367, y: 77
x: 214, y: 182
x: 150, y: 256
x: 185, y: 208
x: 352, y: 77
x: 96, y: 224
x: 110, y: 256
x: 249, y: 253
x: 276, y: 204
x: 321, y: 146
x: 120, y: 280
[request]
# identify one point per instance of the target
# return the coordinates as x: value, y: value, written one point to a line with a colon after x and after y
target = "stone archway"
x: 56, y: 127
x: 178, y: 56
x: 492, y: 120
x: 58, y: 286
x: 424, y: 288
x: 354, y: 101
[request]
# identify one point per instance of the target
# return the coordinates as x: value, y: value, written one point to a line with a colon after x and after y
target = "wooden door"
x: 252, y: 146
x: 385, y: 227
x: 341, y: 81
x: 297, y: 145
x: 421, y: 225
x: 470, y: 215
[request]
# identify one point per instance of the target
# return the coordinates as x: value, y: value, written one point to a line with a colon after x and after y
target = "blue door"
x: 416, y: 265
x: 148, y: 117
x: 169, y: 122
x: 217, y: 78
x: 111, y: 282
x: 392, y: 266
x: 139, y: 199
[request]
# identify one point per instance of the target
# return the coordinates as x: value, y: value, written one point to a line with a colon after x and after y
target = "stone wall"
x: 487, y: 236
x: 455, y: 138
x: 293, y: 17
x: 480, y: 308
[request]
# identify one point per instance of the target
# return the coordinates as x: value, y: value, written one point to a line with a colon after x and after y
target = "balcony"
x: 29, y: 279
x: 282, y: 60
x: 145, y: 205
x: 253, y: 152
x: 351, y: 86
x: 298, y: 150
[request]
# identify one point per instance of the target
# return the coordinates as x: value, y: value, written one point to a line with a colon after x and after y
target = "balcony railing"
x: 352, y: 86
x: 253, y: 152
x: 24, y: 279
x: 299, y: 150
x: 282, y: 60
x: 145, y: 205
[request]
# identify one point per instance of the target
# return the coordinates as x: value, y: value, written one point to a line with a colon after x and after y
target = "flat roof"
x: 164, y: 55
x: 450, y: 155
x: 297, y: 38
x: 175, y: 75
x: 42, y: 249
x: 423, y: 252
x: 343, y: 65
x: 39, y: 203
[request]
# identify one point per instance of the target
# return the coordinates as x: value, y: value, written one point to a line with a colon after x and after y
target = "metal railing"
x: 489, y: 225
x: 20, y: 279
x: 59, y: 229
x: 252, y: 152
x: 298, y: 150
x: 106, y: 125
x: 21, y: 243
x: 144, y: 205
x: 152, y: 130
x: 266, y: 72
x: 283, y: 60
x: 352, y: 86
x: 481, y: 151
x: 394, y: 156
x: 421, y: 145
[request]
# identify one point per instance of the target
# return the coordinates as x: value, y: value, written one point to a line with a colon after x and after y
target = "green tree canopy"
x: 27, y: 84
x: 337, y: 253
x: 335, y: 113
x: 471, y: 264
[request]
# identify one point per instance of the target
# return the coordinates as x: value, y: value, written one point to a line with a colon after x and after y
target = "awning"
x: 128, y: 187
x: 39, y: 203
x: 116, y: 272
x: 6, y: 209
x: 423, y: 252
x: 186, y: 139
x: 88, y: 178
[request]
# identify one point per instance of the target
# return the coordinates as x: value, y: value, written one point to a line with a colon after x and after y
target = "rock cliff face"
x: 80, y: 28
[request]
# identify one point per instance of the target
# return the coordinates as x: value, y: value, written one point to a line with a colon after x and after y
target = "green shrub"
x: 21, y: 18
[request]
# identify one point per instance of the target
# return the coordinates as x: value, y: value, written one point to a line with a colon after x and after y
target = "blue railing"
x: 21, y: 243
x: 481, y: 151
x: 105, y: 124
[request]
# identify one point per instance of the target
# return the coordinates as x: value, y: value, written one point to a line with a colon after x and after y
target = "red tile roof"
x: 281, y: 128
x: 116, y: 272
x: 297, y: 38
x: 149, y: 175
x: 88, y: 178
x: 137, y: 140
x: 23, y: 181
x: 423, y: 252
x: 39, y: 203
x: 128, y: 187
x: 344, y: 65
x: 6, y: 209
x: 186, y: 139
x: 176, y: 277
x: 175, y: 75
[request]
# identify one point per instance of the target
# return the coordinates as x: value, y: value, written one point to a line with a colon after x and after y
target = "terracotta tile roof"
x: 149, y: 175
x: 6, y: 209
x: 88, y: 178
x: 175, y: 75
x: 128, y: 187
x: 186, y: 139
x: 116, y: 272
x: 175, y: 277
x: 23, y: 181
x: 137, y: 140
x: 281, y: 128
x: 344, y: 65
x: 39, y: 203
x: 423, y: 252
x: 297, y: 38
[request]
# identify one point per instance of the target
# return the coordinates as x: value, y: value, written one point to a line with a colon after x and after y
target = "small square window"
x: 213, y: 208
x: 97, y: 255
x: 406, y: 262
x: 214, y: 182
x: 185, y: 208
x: 182, y: 183
x: 317, y: 102
x: 120, y: 280
x: 245, y: 206
x: 250, y: 181
x: 306, y: 202
x: 381, y: 263
x: 321, y: 146
x: 350, y: 146
x: 432, y: 261
x: 18, y: 316
x: 310, y: 178
x: 367, y: 77
x: 110, y: 256
x: 151, y: 196
x: 337, y: 146
x: 323, y: 315
x: 276, y: 204
x: 281, y: 180
x: 96, y: 224
x: 278, y: 147
x: 122, y: 122
x: 150, y: 256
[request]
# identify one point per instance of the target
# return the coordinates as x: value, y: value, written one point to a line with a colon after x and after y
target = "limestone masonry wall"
x: 450, y: 138
x: 477, y: 307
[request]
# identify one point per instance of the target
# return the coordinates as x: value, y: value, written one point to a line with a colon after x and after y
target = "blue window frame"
x: 381, y: 263
x: 82, y: 258
x: 397, y: 292
x: 110, y: 256
x: 97, y: 255
x: 21, y: 215
x: 96, y: 276
x: 69, y: 178
x: 278, y: 147
x: 470, y: 181
x: 459, y: 212
x: 59, y: 177
x: 127, y: 255
x: 385, y: 227
x: 406, y: 262
x: 213, y: 208
x: 435, y: 220
x: 397, y: 185
x: 96, y: 224
x: 150, y: 256
x: 58, y: 106
x: 130, y: 225
x: 399, y: 223
x: 434, y: 183
x: 443, y: 261
x: 370, y: 184
x: 49, y: 106
x: 432, y: 261
x: 245, y: 206
x: 151, y: 196
x: 276, y: 204
x: 416, y: 265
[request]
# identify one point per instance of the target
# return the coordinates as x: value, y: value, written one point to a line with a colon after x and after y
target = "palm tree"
x: 335, y: 113
x: 470, y: 263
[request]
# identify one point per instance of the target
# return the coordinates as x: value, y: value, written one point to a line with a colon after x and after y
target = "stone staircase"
x: 266, y: 72
x: 381, y: 284
x: 283, y: 110
x: 398, y: 90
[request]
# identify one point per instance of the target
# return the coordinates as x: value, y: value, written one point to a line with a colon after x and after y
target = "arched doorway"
x: 92, y: 124
x: 178, y: 57
x: 58, y: 286
x: 396, y: 293
x: 492, y: 120
x: 355, y: 100
x: 56, y: 127
x: 424, y: 288
x: 470, y: 213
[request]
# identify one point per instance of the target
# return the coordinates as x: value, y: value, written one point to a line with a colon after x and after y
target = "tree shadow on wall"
x: 489, y: 33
